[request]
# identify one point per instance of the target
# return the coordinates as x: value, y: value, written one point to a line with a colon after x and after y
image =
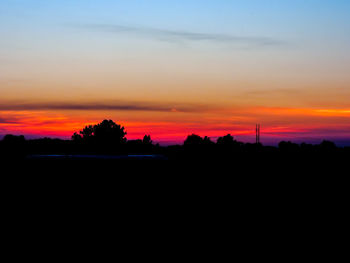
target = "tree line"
x: 107, y: 137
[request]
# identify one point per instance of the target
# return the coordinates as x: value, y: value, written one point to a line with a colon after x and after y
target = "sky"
x: 177, y: 67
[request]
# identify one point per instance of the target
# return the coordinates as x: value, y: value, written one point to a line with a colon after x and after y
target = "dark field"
x: 181, y: 195
x: 195, y: 168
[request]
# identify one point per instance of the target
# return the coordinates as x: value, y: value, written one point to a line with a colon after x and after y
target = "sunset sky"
x: 174, y: 67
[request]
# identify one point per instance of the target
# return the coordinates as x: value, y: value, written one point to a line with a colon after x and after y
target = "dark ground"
x: 260, y: 206
x: 242, y: 193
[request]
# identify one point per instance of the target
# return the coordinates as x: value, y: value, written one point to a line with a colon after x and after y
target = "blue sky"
x: 298, y: 43
x: 289, y: 20
x: 233, y: 53
x: 308, y: 28
x: 249, y: 16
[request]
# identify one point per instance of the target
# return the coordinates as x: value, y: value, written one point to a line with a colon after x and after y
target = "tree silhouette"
x: 226, y: 140
x: 108, y: 138
x: 76, y: 137
x: 108, y: 131
x: 105, y: 132
x: 13, y: 139
x: 87, y: 132
x: 193, y: 140
x: 328, y: 146
x: 147, y: 140
x: 13, y: 146
x: 207, y: 141
x: 288, y: 147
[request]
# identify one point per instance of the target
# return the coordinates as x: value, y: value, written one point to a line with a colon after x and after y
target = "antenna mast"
x: 258, y: 134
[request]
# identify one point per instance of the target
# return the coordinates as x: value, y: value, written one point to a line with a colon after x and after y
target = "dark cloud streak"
x: 269, y: 92
x: 179, y: 35
x: 8, y: 120
x: 99, y: 106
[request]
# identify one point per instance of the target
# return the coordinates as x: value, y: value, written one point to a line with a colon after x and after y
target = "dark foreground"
x: 193, y: 186
x: 251, y: 185
x: 190, y: 167
x: 259, y: 205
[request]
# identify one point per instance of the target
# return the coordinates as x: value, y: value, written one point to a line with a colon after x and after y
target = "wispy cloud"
x: 8, y: 120
x: 277, y: 92
x: 182, y: 35
x: 102, y: 106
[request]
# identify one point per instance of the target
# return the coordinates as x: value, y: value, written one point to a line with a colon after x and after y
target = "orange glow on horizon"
x: 277, y: 122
